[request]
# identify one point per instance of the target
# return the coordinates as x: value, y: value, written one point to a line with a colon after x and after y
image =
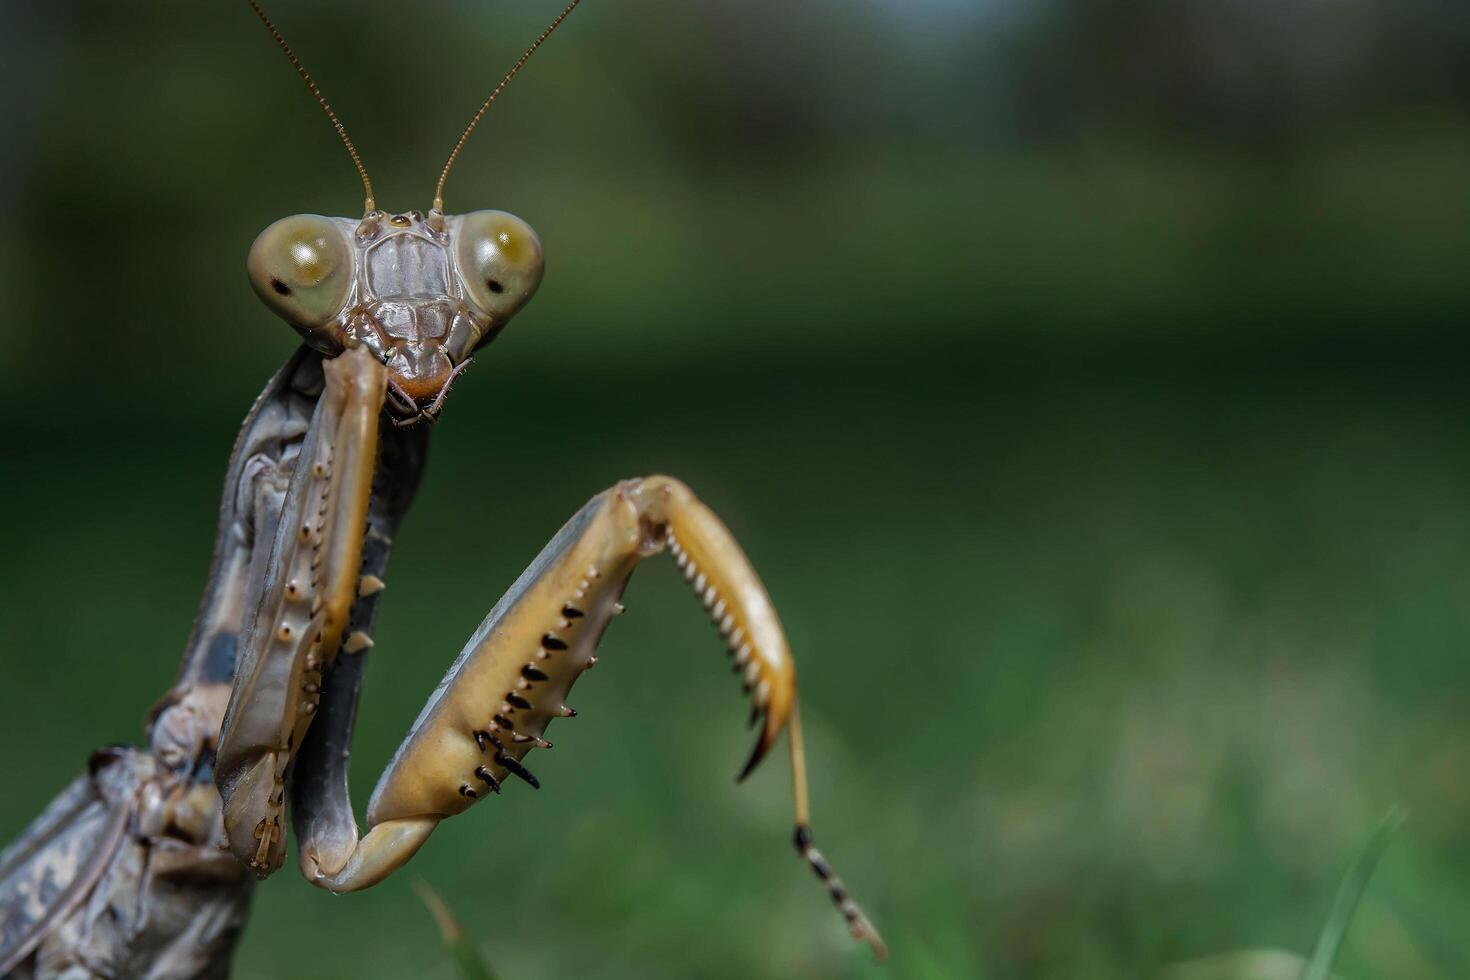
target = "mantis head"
x: 422, y: 293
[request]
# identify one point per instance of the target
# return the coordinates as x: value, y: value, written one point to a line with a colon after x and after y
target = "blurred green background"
x: 1087, y: 379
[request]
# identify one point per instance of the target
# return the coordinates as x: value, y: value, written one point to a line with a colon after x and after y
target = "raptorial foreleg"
x: 513, y: 676
x: 298, y: 610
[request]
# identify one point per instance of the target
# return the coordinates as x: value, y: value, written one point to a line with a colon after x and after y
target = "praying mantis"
x: 145, y: 864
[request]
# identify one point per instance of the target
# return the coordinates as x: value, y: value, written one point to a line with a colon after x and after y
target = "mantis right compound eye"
x: 301, y: 267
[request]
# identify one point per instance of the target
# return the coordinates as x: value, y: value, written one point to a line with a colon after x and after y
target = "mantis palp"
x: 144, y: 865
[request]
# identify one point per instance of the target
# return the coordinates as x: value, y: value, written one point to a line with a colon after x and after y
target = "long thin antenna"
x: 367, y: 185
x: 444, y: 174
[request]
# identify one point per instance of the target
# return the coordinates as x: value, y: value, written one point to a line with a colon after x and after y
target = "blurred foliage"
x: 1087, y: 379
x: 463, y: 948
x: 1275, y: 964
x: 1349, y: 894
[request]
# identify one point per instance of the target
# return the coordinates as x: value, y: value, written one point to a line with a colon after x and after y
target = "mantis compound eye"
x: 301, y: 267
x: 500, y: 262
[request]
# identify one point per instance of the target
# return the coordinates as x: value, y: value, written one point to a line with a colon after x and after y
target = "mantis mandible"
x: 144, y: 865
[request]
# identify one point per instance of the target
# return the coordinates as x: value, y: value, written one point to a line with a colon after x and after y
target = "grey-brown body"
x: 122, y: 876
x: 125, y: 874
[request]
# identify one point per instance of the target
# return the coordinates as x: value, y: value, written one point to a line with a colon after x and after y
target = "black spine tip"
x: 488, y: 779
x: 803, y: 838
x: 756, y: 755
x: 514, y: 767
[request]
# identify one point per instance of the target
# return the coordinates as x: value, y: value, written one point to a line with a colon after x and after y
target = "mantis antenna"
x: 459, y: 144
x: 367, y: 185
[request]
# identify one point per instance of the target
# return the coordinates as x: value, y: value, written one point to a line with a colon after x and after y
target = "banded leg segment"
x: 298, y: 608
x: 857, y: 921
x: 513, y: 677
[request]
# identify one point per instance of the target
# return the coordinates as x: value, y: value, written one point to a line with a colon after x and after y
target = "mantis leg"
x: 298, y: 607
x: 513, y: 676
x: 320, y: 799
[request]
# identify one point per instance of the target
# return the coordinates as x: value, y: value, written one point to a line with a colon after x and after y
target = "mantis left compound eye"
x: 500, y: 263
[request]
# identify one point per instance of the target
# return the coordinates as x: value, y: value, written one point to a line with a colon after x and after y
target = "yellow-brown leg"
x: 298, y: 609
x: 513, y: 676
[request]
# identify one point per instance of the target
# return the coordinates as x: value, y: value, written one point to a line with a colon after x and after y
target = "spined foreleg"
x: 513, y: 676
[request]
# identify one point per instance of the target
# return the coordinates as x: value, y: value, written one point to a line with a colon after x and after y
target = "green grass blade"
x: 472, y: 965
x: 1329, y: 941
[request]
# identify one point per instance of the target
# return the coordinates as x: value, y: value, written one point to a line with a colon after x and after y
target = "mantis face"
x: 422, y: 293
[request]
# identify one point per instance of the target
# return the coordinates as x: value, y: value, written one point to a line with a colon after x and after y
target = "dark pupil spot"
x: 495, y: 286
x: 280, y: 287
